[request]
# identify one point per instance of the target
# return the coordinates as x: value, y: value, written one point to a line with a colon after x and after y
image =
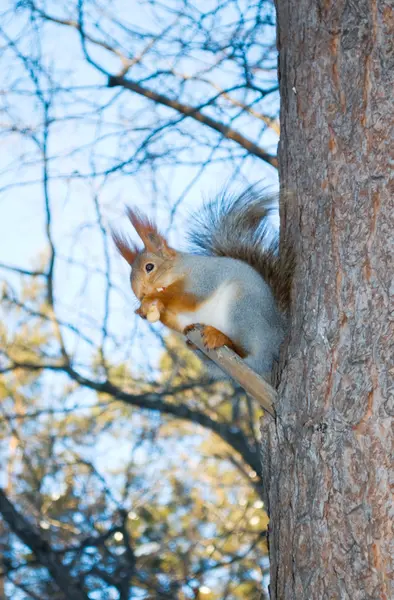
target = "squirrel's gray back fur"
x: 239, y: 303
x: 237, y: 227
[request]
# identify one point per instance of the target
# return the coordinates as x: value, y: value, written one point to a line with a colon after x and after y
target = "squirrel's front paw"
x: 213, y: 338
x: 188, y: 328
x: 188, y: 342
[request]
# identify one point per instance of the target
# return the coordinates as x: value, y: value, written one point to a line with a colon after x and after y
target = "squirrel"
x: 233, y: 283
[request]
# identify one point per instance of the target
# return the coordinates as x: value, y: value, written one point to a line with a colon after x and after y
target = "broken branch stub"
x: 238, y: 370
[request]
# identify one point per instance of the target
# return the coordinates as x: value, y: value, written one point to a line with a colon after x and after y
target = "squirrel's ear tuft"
x: 153, y: 240
x: 125, y: 247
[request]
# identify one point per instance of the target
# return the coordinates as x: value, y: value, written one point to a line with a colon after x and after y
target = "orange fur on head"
x: 125, y: 246
x: 153, y: 241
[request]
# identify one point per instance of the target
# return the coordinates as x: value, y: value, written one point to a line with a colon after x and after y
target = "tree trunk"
x: 328, y: 458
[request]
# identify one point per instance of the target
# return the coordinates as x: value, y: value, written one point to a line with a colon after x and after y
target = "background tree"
x: 329, y: 457
x: 127, y: 475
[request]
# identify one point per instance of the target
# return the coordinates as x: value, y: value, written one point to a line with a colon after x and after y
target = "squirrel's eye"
x: 149, y: 267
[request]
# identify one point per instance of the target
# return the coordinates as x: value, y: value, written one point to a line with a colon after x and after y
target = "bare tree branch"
x: 42, y: 550
x: 188, y: 111
x: 22, y: 271
x: 197, y: 115
x: 154, y: 401
x: 204, y: 97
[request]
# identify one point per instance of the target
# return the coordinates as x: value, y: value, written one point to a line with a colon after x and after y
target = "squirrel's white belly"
x: 215, y: 311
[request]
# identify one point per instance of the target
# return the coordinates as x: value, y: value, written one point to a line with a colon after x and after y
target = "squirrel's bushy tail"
x: 238, y: 227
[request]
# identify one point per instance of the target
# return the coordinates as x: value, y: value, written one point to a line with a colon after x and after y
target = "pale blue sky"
x: 74, y: 228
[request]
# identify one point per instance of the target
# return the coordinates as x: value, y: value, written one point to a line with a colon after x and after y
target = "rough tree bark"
x: 328, y: 458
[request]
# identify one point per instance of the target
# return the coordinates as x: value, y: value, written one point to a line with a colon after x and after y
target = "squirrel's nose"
x: 138, y: 289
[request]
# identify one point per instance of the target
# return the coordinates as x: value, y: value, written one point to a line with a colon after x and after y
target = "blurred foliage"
x: 123, y: 497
